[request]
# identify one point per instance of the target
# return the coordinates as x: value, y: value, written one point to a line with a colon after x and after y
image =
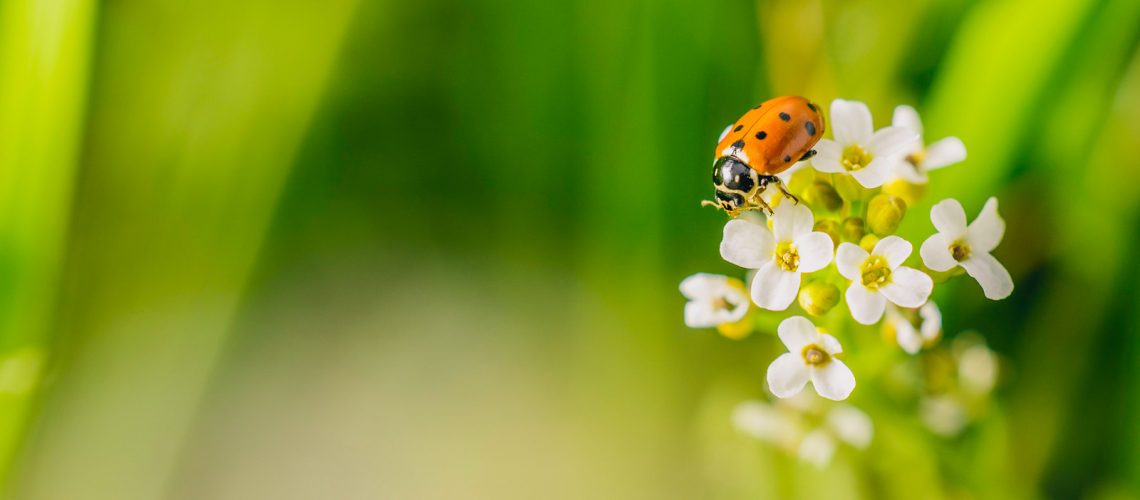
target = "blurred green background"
x: 342, y: 249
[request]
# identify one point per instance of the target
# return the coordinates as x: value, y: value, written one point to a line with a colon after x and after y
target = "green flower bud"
x: 818, y: 297
x: 884, y: 213
x: 830, y: 228
x: 853, y: 229
x: 820, y: 194
x: 868, y: 242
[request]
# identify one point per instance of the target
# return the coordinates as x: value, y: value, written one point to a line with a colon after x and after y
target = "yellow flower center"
x: 787, y: 256
x: 855, y: 158
x: 960, y: 251
x: 815, y: 355
x: 875, y: 272
x: 916, y: 157
x: 721, y: 304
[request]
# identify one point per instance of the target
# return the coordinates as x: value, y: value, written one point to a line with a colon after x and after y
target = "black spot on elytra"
x: 761, y: 135
x: 786, y: 117
x: 738, y: 144
x: 738, y: 127
x: 811, y: 106
x: 787, y: 158
x: 810, y: 128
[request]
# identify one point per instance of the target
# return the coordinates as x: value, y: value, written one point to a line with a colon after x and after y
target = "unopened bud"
x: 884, y: 213
x: 853, y: 229
x: 817, y: 298
x: 822, y: 195
x: 910, y: 193
x: 868, y: 242
x: 830, y: 228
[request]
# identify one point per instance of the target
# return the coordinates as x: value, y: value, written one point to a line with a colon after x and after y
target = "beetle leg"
x: 787, y: 194
x: 809, y: 154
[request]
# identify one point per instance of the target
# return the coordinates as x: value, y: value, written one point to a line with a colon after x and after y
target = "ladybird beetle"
x: 767, y: 140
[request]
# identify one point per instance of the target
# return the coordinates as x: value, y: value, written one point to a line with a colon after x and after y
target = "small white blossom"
x: 879, y: 276
x: 919, y: 158
x: 977, y: 369
x: 858, y: 150
x: 810, y: 356
x: 805, y: 430
x: 779, y: 256
x: 713, y: 300
x: 943, y: 415
x: 909, y: 337
x: 956, y: 244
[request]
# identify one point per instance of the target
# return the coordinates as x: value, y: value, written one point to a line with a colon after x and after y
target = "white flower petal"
x: 986, y: 231
x: 787, y: 375
x: 791, y: 220
x: 848, y: 259
x: 995, y: 280
x: 851, y: 425
x: 876, y: 173
x: 703, y: 286
x: 866, y: 306
x: 774, y: 288
x: 746, y: 244
x: 891, y: 141
x: 931, y: 320
x: 756, y: 419
x: 829, y: 344
x: 894, y: 249
x: 827, y: 156
x: 907, y: 338
x: 908, y: 287
x: 833, y: 380
x: 701, y: 314
x: 949, y: 218
x: 935, y: 252
x: 817, y: 448
x: 850, y: 122
x: 944, y: 153
x: 906, y: 117
x: 797, y: 332
x: 904, y: 170
x: 815, y: 249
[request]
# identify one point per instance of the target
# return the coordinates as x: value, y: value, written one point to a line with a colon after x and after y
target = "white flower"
x: 911, y: 338
x: 867, y: 155
x: 921, y: 159
x: 957, y: 244
x: 713, y: 300
x: 803, y: 428
x: 811, y: 355
x: 779, y: 426
x: 943, y: 415
x: 779, y: 256
x: 843, y: 423
x: 879, y: 276
x: 977, y: 369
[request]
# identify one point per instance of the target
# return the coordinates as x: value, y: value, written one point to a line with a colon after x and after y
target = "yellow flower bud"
x: 821, y: 195
x: 818, y: 297
x: 868, y: 242
x: 853, y: 229
x: 829, y: 227
x: 884, y: 213
x: 800, y: 180
x: 737, y: 330
x: 910, y: 193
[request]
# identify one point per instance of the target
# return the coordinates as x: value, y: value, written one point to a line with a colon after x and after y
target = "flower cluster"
x: 836, y: 244
x: 802, y: 426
